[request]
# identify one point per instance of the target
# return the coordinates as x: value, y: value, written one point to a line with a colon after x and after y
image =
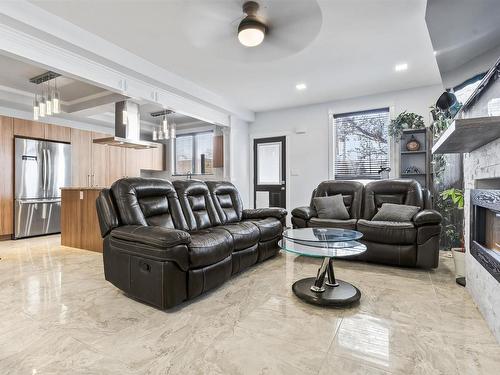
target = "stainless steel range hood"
x: 127, y: 128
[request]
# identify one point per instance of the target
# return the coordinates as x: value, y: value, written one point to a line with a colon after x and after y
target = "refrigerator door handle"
x: 42, y: 201
x: 49, y: 170
x: 44, y: 172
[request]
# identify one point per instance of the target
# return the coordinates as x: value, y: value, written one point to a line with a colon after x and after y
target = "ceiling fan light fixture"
x: 251, y: 31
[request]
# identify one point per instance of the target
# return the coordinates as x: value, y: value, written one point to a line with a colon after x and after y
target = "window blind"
x: 361, y: 144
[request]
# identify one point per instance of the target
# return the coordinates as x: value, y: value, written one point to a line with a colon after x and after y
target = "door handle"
x: 93, y: 180
x: 88, y: 180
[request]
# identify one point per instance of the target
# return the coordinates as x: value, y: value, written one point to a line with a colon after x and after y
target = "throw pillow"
x: 395, y: 212
x: 331, y: 207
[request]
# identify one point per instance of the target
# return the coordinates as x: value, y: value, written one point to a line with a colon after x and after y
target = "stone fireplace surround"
x: 482, y: 171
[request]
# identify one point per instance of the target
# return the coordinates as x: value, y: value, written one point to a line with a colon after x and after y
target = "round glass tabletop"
x: 339, y: 249
x: 330, y: 235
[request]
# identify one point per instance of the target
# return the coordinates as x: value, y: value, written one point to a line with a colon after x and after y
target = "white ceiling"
x: 462, y: 30
x: 15, y: 74
x: 94, y: 103
x: 345, y: 48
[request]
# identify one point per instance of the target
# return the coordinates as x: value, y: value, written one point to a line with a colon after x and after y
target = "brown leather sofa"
x: 413, y: 244
x: 165, y: 242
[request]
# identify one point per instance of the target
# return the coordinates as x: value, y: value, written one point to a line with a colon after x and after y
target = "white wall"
x: 239, y: 164
x: 479, y: 64
x: 308, y: 154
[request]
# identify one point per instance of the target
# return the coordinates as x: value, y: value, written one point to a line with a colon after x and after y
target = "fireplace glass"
x: 485, y: 229
x: 492, y: 230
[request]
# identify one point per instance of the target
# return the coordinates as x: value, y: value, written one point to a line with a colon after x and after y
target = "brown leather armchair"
x: 414, y: 243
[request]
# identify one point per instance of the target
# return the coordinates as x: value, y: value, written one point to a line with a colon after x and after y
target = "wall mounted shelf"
x: 466, y: 135
x: 413, y: 152
x: 419, y: 160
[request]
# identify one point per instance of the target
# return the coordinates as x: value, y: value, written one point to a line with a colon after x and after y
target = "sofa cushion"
x: 269, y: 228
x: 245, y: 234
x: 351, y: 191
x: 395, y: 212
x: 398, y: 191
x: 148, y: 201
x: 227, y: 201
x: 332, y: 223
x: 197, y: 204
x: 332, y: 207
x: 209, y: 246
x: 389, y: 232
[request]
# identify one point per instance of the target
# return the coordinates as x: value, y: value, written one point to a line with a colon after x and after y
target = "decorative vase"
x: 413, y: 144
x: 459, y: 260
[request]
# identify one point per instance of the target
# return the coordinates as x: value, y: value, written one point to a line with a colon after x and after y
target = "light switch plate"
x: 81, y: 195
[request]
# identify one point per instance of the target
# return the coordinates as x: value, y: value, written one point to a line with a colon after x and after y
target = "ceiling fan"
x: 226, y: 29
x: 251, y: 30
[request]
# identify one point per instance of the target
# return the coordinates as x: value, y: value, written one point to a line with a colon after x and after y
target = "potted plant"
x: 405, y: 120
x: 440, y: 122
x: 456, y: 196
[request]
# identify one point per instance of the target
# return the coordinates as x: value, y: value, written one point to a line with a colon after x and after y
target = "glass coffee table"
x: 326, y: 243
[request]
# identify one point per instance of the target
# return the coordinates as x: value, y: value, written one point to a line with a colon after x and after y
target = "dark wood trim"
x: 256, y: 141
x: 487, y: 258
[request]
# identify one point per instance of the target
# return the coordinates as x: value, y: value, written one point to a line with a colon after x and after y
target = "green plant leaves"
x: 455, y: 195
x: 405, y: 120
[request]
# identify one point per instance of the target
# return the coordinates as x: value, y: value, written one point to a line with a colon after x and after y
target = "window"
x: 467, y: 88
x: 361, y: 144
x: 194, y: 153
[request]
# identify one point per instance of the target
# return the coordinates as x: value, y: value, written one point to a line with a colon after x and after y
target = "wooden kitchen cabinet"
x: 29, y: 129
x: 7, y: 180
x: 158, y: 158
x: 99, y: 161
x: 57, y: 133
x: 100, y: 165
x: 218, y: 161
x: 89, y: 160
x: 79, y: 222
x: 81, y: 157
x: 135, y: 160
x: 116, y: 164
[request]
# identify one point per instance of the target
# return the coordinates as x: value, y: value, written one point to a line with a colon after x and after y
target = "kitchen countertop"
x: 83, y: 188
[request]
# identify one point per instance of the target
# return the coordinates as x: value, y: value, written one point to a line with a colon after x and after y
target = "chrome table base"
x: 330, y: 292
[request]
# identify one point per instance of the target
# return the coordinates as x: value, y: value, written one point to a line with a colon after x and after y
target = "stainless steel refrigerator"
x: 41, y: 169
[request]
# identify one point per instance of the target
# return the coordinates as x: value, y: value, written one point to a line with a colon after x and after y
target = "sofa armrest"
x: 305, y: 212
x: 427, y: 217
x: 151, y: 236
x: 262, y: 213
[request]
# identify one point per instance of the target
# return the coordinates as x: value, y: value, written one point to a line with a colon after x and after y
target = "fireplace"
x: 485, y: 229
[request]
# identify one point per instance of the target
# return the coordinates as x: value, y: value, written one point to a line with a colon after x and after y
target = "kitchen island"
x: 79, y: 223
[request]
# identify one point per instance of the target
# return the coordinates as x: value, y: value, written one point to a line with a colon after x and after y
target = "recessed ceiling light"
x: 301, y: 86
x: 401, y: 67
x: 435, y: 53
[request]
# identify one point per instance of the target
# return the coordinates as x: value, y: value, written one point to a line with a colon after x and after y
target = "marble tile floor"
x: 59, y: 316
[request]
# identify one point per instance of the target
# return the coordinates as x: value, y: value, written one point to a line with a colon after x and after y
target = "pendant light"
x: 173, y: 134
x: 160, y: 134
x: 48, y: 101
x: 165, y: 124
x: 56, y: 106
x: 36, y: 108
x: 41, y: 104
x: 155, y: 134
x: 166, y: 131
